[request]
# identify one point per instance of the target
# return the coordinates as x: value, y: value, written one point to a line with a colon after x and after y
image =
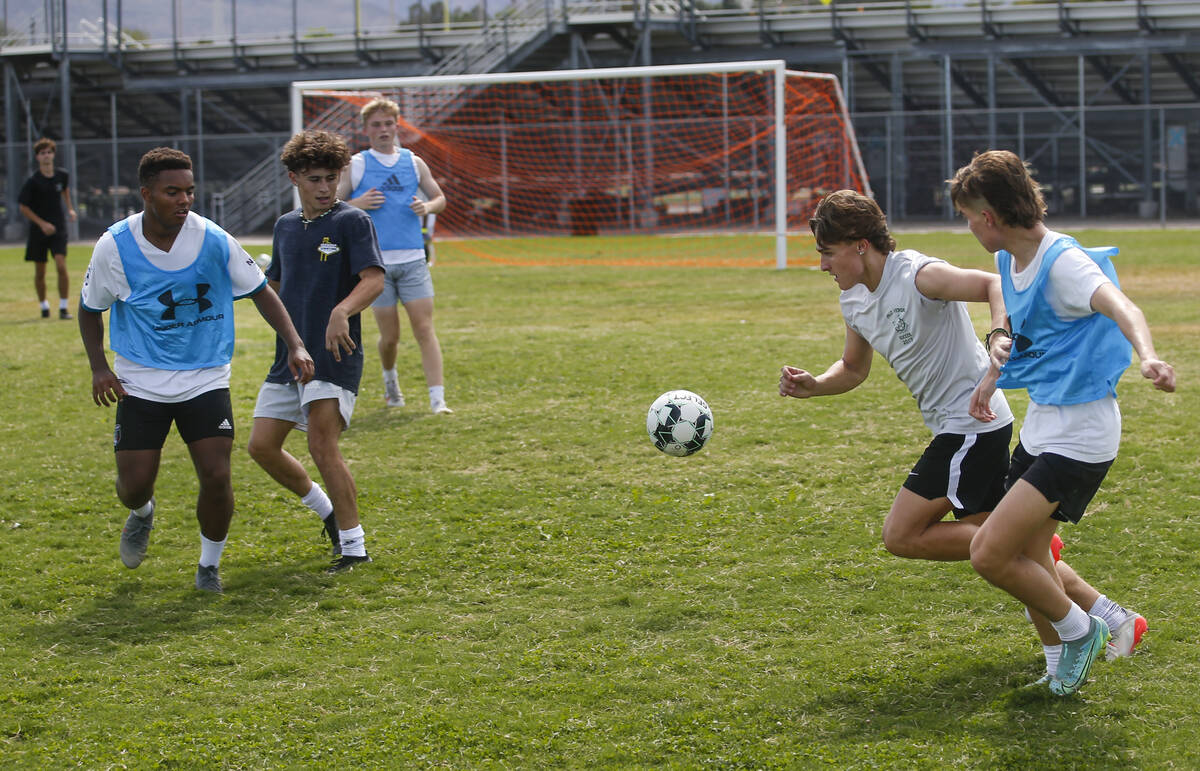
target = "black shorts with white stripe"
x: 968, y: 469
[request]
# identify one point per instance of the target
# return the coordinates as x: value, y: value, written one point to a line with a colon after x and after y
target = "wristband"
x: 987, y: 340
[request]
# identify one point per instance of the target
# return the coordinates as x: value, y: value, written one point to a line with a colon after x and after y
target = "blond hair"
x: 379, y: 104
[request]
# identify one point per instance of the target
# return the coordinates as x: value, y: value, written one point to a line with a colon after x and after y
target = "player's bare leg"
x: 64, y: 286
x: 420, y: 318
x: 214, y: 504
x: 266, y: 448
x: 324, y: 431
x: 39, y: 280
x: 136, y: 472
x: 914, y: 528
x: 387, y: 320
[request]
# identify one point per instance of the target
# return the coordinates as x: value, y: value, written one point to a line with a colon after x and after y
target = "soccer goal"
x: 739, y: 147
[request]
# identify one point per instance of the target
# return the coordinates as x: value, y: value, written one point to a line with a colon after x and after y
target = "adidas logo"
x: 225, y: 425
x: 392, y: 183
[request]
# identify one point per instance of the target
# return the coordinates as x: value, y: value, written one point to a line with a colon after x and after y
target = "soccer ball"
x: 679, y: 423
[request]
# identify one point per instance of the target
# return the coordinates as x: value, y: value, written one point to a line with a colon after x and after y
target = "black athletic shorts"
x: 968, y: 469
x: 1070, y: 483
x: 143, y: 424
x: 40, y: 244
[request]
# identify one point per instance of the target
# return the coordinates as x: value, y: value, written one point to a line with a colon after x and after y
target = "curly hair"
x: 161, y: 159
x: 315, y: 150
x: 1005, y: 183
x: 379, y: 104
x: 45, y: 143
x: 846, y: 215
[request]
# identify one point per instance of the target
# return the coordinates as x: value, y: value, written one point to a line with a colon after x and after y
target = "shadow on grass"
x: 135, y: 612
x: 987, y: 706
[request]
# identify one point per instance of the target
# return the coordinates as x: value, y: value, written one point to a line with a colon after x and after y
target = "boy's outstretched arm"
x: 843, y: 375
x: 1114, y: 303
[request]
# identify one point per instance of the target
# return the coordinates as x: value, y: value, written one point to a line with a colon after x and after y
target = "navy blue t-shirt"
x: 317, y: 266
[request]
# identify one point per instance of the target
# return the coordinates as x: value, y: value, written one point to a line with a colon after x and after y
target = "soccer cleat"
x: 1078, y: 657
x: 207, y: 579
x: 391, y: 393
x: 345, y: 563
x: 1056, y: 547
x: 65, y: 314
x: 331, y: 530
x: 135, y: 537
x: 1125, y: 637
x: 440, y: 408
x: 45, y: 313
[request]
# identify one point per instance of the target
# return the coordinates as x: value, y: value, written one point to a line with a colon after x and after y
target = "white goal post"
x: 671, y: 148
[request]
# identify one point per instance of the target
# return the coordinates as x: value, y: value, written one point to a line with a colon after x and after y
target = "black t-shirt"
x: 317, y: 266
x: 44, y: 195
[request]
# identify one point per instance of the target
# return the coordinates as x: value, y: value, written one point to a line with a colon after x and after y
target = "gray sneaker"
x: 207, y: 579
x: 135, y: 537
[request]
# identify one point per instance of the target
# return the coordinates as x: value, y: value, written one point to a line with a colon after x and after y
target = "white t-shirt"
x: 931, y: 345
x: 357, y: 164
x: 105, y: 283
x: 1091, y: 431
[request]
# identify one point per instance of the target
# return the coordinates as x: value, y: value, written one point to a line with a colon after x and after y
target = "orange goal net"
x: 745, y: 147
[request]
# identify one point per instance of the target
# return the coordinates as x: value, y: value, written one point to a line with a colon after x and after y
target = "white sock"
x: 1052, y: 655
x: 1112, y: 613
x: 45, y: 305
x: 354, y: 542
x: 62, y: 303
x: 391, y: 376
x: 318, y: 501
x: 145, y: 510
x: 437, y: 395
x: 210, y: 552
x: 1074, y: 625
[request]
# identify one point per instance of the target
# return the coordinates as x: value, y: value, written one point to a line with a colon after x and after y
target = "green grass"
x: 550, y: 591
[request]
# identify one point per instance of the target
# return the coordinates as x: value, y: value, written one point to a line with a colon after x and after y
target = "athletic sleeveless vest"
x: 1061, y: 362
x: 175, y: 319
x: 395, y: 223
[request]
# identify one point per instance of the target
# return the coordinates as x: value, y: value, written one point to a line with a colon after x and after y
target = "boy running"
x: 910, y: 308
x: 327, y: 269
x: 170, y: 277
x: 1067, y: 340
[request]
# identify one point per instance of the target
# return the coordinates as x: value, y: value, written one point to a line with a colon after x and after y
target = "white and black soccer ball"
x: 679, y: 423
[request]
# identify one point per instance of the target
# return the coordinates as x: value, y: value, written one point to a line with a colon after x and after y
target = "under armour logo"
x: 167, y: 298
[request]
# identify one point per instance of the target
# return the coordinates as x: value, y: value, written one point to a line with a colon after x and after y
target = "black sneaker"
x: 346, y: 563
x: 45, y: 313
x: 331, y: 529
x: 65, y: 314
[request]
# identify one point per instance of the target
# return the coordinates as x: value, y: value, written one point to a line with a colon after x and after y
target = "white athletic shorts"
x: 290, y: 402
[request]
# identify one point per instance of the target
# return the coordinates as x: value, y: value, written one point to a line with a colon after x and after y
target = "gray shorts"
x: 290, y: 402
x: 404, y: 283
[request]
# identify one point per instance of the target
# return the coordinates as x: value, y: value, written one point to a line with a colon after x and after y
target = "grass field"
x: 550, y: 591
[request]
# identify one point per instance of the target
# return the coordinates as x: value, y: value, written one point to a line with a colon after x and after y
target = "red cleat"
x: 1056, y: 547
